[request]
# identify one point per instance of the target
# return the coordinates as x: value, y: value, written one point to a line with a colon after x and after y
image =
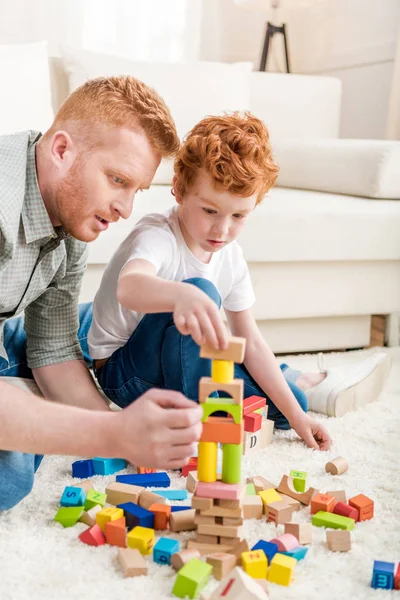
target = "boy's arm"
x: 194, y: 312
x: 261, y: 364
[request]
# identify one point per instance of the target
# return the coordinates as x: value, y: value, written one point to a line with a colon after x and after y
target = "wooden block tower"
x: 218, y: 503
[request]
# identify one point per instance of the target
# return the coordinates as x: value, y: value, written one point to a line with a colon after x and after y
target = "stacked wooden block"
x: 258, y: 429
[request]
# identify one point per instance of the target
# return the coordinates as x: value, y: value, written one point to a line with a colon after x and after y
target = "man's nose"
x: 124, y: 206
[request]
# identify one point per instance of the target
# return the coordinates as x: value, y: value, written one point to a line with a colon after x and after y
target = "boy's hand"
x: 197, y: 315
x: 160, y: 430
x: 312, y: 432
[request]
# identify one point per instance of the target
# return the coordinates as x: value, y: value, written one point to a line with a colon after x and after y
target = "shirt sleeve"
x: 241, y: 295
x: 155, y: 245
x: 52, y: 320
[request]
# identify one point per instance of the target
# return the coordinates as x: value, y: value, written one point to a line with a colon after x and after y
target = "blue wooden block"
x: 179, y: 507
x: 164, y: 549
x: 269, y: 548
x: 136, y: 515
x: 172, y: 494
x: 82, y: 468
x: 383, y: 575
x: 73, y: 496
x: 297, y: 553
x: 107, y: 466
x: 146, y: 479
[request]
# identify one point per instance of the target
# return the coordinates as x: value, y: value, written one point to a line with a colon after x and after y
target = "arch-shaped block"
x: 235, y: 389
x: 235, y: 410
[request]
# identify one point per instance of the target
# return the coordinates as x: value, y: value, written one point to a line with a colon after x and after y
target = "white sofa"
x: 321, y: 262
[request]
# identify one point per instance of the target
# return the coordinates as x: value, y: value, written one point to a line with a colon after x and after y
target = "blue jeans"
x: 17, y: 469
x: 157, y: 355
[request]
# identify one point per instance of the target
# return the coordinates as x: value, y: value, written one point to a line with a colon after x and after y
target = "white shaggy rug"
x: 39, y: 560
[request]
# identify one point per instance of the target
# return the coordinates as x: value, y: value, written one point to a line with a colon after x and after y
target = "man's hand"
x: 312, y: 432
x: 160, y: 430
x: 197, y: 315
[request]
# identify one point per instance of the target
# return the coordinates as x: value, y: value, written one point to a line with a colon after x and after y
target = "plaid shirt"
x: 41, y: 267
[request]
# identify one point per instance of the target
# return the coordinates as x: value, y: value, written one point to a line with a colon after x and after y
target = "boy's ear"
x: 175, y: 191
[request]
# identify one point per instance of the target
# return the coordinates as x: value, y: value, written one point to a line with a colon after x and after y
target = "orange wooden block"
x: 322, y: 502
x: 116, y: 533
x: 141, y: 470
x: 223, y: 430
x: 161, y: 515
x: 364, y: 505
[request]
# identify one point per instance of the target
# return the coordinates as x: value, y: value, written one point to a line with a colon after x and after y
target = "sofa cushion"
x: 289, y: 225
x: 25, y: 90
x: 366, y: 168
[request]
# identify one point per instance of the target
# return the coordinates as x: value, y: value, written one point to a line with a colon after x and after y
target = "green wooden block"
x: 68, y: 516
x: 250, y: 489
x: 214, y: 404
x: 191, y: 579
x: 93, y: 498
x: 232, y: 463
x: 299, y: 480
x: 327, y: 519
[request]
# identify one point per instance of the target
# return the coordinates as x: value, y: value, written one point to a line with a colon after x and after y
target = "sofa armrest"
x: 367, y: 168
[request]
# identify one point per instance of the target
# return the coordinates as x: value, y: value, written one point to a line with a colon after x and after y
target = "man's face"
x: 100, y: 186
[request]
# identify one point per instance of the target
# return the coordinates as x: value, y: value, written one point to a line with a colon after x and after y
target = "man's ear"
x: 175, y: 191
x: 63, y: 151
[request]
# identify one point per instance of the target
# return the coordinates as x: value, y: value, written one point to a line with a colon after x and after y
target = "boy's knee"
x: 16, y: 477
x: 207, y: 287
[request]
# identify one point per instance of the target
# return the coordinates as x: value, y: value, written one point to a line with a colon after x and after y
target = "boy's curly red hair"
x: 234, y: 149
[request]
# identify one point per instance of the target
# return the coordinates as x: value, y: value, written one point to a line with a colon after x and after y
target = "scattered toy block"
x: 94, y: 497
x: 222, y: 564
x: 146, y: 499
x: 164, y: 549
x: 172, y: 494
x: 253, y: 403
x: 179, y: 507
x: 182, y: 520
x: 268, y: 496
x: 260, y: 483
x: 282, y: 569
x: 73, y: 496
x: 234, y: 389
x: 325, y: 519
x: 146, y: 479
x: 136, y: 515
x: 278, y: 512
x: 219, y: 490
x: 252, y: 507
x: 322, y: 502
x: 192, y: 578
x: 93, y: 536
x: 255, y: 564
x: 299, y: 480
x: 339, y: 495
x: 285, y: 542
x: 383, y: 575
x: 234, y: 352
x: 69, y: 515
x: 82, y: 468
x: 132, y: 562
x: 223, y: 430
x: 209, y: 548
x: 142, y: 470
x: 346, y: 511
x: 364, y: 505
x: 119, y: 493
x: 286, y: 487
x: 269, y: 549
x: 239, y: 586
x: 89, y: 517
x: 161, y: 513
x: 182, y: 557
x: 116, y: 532
x: 110, y: 513
x: 192, y: 481
x: 258, y: 440
x: 338, y: 540
x: 397, y: 578
x: 298, y: 553
x: 337, y: 466
x: 295, y: 504
x: 107, y: 466
x: 250, y: 489
x: 191, y: 466
x: 141, y: 538
x: 301, y: 531
x: 85, y: 485
x: 252, y: 422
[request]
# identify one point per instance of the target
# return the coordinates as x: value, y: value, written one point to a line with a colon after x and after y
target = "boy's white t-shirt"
x: 158, y: 238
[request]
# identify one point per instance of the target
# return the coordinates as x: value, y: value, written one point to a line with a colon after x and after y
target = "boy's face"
x: 211, y: 219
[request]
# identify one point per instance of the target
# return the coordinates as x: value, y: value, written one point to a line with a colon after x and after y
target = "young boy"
x: 161, y: 293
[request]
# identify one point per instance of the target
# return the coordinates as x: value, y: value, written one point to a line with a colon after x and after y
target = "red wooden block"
x: 161, y: 515
x: 116, y: 532
x: 364, y: 505
x: 93, y: 536
x: 322, y: 502
x: 397, y: 578
x: 252, y: 403
x: 191, y: 466
x: 252, y: 422
x: 341, y: 508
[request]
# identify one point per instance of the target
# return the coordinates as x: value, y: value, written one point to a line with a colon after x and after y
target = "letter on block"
x: 164, y: 549
x: 141, y: 538
x: 383, y: 575
x: 255, y: 564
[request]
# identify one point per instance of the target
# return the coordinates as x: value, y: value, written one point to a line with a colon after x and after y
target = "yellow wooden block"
x: 105, y: 515
x: 141, y: 538
x: 255, y: 564
x: 281, y: 569
x: 268, y: 496
x: 222, y: 371
x: 207, y: 462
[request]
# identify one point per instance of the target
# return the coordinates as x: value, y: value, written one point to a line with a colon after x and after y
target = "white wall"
x: 354, y: 40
